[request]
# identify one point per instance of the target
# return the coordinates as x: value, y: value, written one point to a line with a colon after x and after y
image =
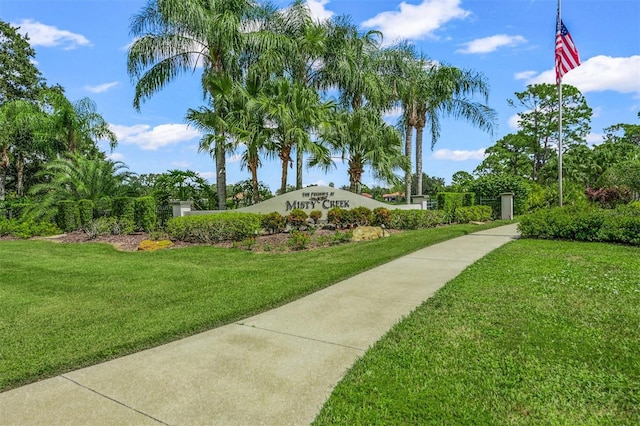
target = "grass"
x: 65, y: 306
x: 537, y: 332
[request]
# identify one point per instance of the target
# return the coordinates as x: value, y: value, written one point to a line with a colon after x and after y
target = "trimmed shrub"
x: 337, y: 217
x: 621, y: 229
x: 297, y: 218
x: 614, y: 226
x: 468, y: 199
x: 145, y: 213
x: 85, y: 212
x: 361, y: 216
x: 274, y: 222
x: 414, y: 219
x: 381, y: 216
x: 123, y: 208
x: 472, y: 214
x: 448, y: 202
x: 315, y: 215
x: 27, y: 228
x: 214, y: 228
x: 68, y: 215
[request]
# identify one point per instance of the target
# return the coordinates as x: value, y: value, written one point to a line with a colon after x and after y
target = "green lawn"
x: 65, y: 306
x: 537, y: 332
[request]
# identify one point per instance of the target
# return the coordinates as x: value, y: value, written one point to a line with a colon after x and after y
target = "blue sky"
x: 82, y: 45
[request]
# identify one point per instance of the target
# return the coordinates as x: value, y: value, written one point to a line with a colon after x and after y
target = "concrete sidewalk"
x: 276, y: 368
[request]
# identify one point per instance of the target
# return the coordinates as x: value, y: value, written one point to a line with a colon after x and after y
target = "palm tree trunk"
x: 299, y: 160
x: 253, y: 167
x: 221, y: 175
x: 407, y: 153
x: 285, y: 156
x: 419, y: 131
x: 4, y: 165
x: 20, y: 176
x: 355, y: 175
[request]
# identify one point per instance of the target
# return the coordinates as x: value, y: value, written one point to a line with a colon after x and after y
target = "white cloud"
x: 151, y: 138
x: 599, y: 74
x: 514, y: 122
x: 100, y: 88
x: 416, y: 21
x: 525, y: 75
x: 595, y: 138
x: 49, y: 36
x: 115, y: 156
x: 234, y: 159
x: 458, y: 155
x: 318, y: 10
x: 208, y: 176
x: 492, y: 43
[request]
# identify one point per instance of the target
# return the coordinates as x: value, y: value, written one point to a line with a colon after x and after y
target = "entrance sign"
x: 320, y: 198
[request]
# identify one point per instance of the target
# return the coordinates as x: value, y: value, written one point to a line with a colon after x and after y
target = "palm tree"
x: 352, y: 64
x: 447, y: 93
x: 365, y: 140
x: 20, y: 124
x: 175, y: 37
x: 292, y: 111
x: 78, y: 178
x: 76, y: 126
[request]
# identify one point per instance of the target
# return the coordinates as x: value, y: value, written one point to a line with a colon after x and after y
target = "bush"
x: 381, y: 216
x: 100, y: 226
x: 274, y: 222
x: 85, y: 212
x: 491, y: 186
x: 595, y: 224
x: 449, y: 202
x: 123, y: 208
x: 337, y: 217
x: 414, y: 219
x: 621, y: 229
x: 297, y: 219
x: 361, y: 216
x: 472, y: 214
x: 298, y: 240
x: 27, y: 228
x: 145, y: 213
x: 341, y: 237
x: 68, y: 215
x: 214, y: 228
x: 315, y: 215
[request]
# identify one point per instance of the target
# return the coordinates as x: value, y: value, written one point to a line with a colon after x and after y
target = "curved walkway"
x: 276, y: 368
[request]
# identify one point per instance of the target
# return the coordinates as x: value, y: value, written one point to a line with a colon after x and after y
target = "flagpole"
x: 559, y: 124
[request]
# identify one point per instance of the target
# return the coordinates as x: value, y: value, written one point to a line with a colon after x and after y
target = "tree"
x: 630, y: 133
x: 430, y: 185
x: 539, y: 120
x: 293, y: 111
x: 75, y: 127
x: 461, y: 181
x: 511, y: 155
x: 21, y: 128
x: 184, y: 186
x: 174, y: 37
x: 78, y: 178
x: 364, y: 139
x: 19, y: 77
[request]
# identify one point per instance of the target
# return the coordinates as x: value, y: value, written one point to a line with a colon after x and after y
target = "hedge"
x: 621, y: 225
x: 214, y: 228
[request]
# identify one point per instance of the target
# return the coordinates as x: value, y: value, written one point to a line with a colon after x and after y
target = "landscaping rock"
x: 365, y: 233
x: 148, y: 245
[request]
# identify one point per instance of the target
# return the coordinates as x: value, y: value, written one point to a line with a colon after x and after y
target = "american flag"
x: 567, y: 57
